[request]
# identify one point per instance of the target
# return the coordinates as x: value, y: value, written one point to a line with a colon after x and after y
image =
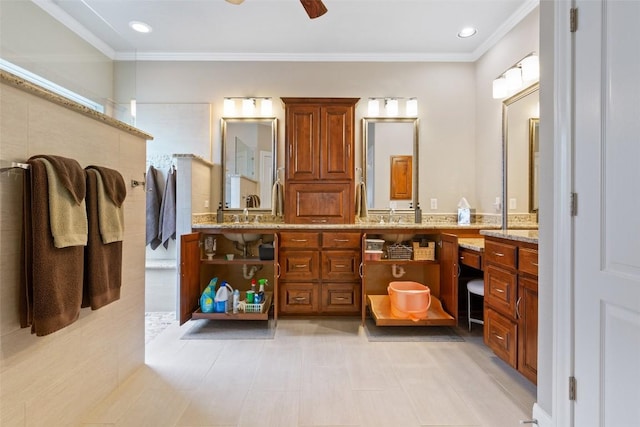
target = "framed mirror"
x: 248, y: 162
x: 520, y: 153
x: 390, y: 162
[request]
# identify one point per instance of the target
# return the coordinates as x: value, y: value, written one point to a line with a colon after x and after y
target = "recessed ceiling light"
x: 467, y: 32
x: 140, y: 27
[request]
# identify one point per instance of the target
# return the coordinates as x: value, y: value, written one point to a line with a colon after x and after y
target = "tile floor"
x: 317, y: 372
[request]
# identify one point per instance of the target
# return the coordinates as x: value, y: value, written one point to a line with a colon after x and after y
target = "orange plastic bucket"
x: 409, y: 300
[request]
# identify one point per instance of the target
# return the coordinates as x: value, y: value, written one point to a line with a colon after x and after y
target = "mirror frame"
x: 416, y: 159
x: 273, y: 122
x: 505, y: 133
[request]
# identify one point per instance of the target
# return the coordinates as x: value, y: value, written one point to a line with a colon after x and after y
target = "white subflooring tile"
x: 317, y: 372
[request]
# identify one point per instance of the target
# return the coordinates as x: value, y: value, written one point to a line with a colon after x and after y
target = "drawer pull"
x: 498, y: 254
x: 534, y: 263
x: 500, y: 291
x: 341, y: 240
x: 340, y: 265
x: 498, y: 336
x: 300, y: 265
x: 340, y: 298
x: 518, y: 308
x: 319, y: 220
x: 300, y: 298
x: 299, y: 240
x: 461, y: 257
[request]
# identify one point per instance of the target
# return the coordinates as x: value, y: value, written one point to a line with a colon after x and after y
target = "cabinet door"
x: 298, y: 298
x: 448, y: 259
x: 500, y: 336
x: 319, y: 203
x: 500, y: 290
x: 336, y: 143
x: 341, y: 298
x: 303, y: 142
x: 189, y: 275
x: 300, y: 265
x: 340, y: 265
x: 528, y: 328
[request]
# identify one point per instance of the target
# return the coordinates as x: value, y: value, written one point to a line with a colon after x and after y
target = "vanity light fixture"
x: 249, y: 107
x: 133, y: 109
x: 391, y: 107
x: 524, y: 72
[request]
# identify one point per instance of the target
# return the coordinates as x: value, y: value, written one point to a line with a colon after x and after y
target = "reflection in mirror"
x: 534, y: 156
x: 391, y: 162
x: 519, y: 191
x: 248, y: 162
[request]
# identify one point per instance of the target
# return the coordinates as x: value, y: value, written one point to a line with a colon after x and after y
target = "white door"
x: 607, y: 225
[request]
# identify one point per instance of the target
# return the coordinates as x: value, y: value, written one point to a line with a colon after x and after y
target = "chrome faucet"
x: 245, y: 214
x: 392, y: 213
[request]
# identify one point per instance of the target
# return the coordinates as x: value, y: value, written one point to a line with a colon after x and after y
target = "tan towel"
x: 111, y: 192
x: 361, y: 201
x: 102, y: 261
x: 67, y: 210
x: 277, y: 199
x: 52, y: 283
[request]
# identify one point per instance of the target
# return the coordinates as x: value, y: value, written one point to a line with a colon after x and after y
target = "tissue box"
x: 464, y: 215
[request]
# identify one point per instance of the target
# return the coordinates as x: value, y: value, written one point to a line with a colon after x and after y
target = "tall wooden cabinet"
x: 320, y: 151
x: 511, y: 303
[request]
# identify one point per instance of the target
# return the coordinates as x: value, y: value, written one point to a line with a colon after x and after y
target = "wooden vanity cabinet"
x: 320, y: 273
x: 511, y: 303
x: 320, y: 152
x: 196, y: 271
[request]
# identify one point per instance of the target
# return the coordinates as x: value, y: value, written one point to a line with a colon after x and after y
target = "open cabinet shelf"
x: 264, y: 315
x: 380, y: 308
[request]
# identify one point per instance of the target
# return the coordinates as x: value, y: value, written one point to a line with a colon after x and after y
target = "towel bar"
x: 15, y: 165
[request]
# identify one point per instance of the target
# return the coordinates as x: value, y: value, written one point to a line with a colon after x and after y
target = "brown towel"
x: 103, y: 262
x: 53, y: 276
x: 67, y: 213
x: 111, y: 192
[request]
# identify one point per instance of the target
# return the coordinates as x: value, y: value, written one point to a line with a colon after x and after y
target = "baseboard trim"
x: 544, y: 420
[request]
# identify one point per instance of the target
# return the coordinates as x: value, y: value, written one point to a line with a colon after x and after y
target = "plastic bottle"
x: 220, y: 214
x: 221, y: 300
x: 253, y: 285
x: 262, y: 282
x: 236, y: 300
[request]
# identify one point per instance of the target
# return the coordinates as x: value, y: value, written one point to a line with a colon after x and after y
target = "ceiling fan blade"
x: 314, y: 8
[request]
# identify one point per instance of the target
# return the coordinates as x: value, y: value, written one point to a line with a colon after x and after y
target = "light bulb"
x: 499, y: 88
x: 412, y: 107
x: 530, y: 68
x: 373, y: 108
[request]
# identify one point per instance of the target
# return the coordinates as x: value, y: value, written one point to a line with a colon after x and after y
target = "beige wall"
x: 519, y: 42
x: 53, y: 51
x: 52, y: 380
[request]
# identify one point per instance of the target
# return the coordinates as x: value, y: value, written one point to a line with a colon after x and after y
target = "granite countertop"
x: 472, y: 243
x: 249, y: 226
x: 528, y: 236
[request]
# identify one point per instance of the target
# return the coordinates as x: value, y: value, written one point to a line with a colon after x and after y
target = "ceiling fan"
x: 314, y: 8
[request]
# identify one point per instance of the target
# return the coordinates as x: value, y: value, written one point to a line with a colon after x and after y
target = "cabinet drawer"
x: 500, y: 290
x: 298, y: 240
x: 298, y: 298
x: 340, y: 265
x: 471, y: 259
x: 500, y: 253
x: 500, y: 336
x: 528, y: 261
x: 341, y: 297
x: 341, y: 240
x: 313, y: 203
x: 300, y: 265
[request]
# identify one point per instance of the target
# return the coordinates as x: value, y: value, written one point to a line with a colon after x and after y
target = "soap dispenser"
x: 220, y: 214
x: 418, y: 212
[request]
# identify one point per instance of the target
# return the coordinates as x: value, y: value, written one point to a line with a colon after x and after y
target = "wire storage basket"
x: 399, y: 251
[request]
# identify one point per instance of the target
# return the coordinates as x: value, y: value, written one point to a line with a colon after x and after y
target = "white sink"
x: 242, y: 238
x: 396, y: 238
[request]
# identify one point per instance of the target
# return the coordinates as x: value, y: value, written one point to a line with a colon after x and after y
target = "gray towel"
x: 167, y: 224
x: 154, y: 198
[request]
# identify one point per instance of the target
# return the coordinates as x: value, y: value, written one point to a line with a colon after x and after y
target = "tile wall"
x: 55, y: 379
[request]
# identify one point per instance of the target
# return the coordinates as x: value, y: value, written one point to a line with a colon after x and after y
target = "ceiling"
x: 280, y: 30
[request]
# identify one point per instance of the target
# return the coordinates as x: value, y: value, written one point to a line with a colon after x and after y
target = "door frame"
x: 556, y: 222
